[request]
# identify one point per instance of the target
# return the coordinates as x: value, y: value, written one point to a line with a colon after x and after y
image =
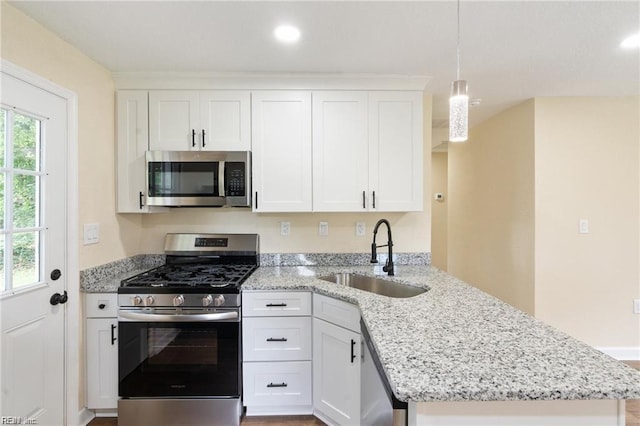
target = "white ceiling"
x: 510, y: 51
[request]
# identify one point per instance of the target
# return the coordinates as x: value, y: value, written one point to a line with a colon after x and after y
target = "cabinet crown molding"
x: 260, y: 81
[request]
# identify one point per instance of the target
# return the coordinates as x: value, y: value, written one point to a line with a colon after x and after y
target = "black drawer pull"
x: 277, y: 339
x: 113, y: 334
x: 276, y: 305
x: 277, y: 385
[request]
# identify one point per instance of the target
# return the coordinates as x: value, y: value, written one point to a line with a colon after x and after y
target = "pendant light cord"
x: 458, y: 44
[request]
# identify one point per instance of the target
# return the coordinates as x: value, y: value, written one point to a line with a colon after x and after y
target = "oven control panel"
x: 179, y: 300
x: 211, y: 242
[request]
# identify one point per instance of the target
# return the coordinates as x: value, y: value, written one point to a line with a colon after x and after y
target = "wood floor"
x: 632, y: 415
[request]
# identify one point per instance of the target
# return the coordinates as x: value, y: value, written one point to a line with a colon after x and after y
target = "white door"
x: 33, y: 200
x: 395, y: 151
x: 281, y: 153
x: 340, y: 151
x: 225, y: 120
x: 336, y: 373
x: 174, y: 120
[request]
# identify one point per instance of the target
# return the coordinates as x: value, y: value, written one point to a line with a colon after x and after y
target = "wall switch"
x: 91, y: 233
x: 323, y: 229
x: 360, y: 229
x: 584, y: 226
x: 285, y: 228
x: 636, y: 306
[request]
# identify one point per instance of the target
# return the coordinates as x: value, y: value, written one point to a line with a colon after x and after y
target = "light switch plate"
x: 584, y: 226
x: 636, y: 306
x: 91, y: 233
x: 285, y: 228
x: 323, y: 229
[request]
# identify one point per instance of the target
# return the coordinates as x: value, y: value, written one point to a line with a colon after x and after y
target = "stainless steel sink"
x: 374, y: 285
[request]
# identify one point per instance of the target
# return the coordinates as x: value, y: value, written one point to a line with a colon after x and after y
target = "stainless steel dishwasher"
x: 378, y: 405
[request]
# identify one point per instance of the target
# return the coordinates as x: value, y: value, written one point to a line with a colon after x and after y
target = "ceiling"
x: 510, y: 50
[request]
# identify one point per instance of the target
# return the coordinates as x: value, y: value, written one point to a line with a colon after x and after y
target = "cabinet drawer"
x: 337, y: 312
x: 101, y: 305
x: 276, y: 339
x: 276, y: 383
x: 276, y: 303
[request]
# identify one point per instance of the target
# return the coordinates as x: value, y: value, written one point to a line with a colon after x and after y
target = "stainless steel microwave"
x: 199, y: 178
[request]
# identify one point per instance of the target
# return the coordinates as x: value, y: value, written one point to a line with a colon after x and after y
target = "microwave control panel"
x: 235, y: 179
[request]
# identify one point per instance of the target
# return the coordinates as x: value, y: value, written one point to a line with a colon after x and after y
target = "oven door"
x: 193, y: 354
x: 198, y: 178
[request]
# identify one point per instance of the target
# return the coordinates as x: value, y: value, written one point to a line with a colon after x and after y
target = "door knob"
x: 56, y: 274
x: 59, y: 298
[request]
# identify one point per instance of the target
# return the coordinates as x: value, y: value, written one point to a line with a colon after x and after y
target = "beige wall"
x: 490, y: 211
x: 29, y: 45
x: 439, y: 210
x: 587, y: 168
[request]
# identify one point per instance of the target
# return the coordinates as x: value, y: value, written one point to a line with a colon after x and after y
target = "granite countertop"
x: 457, y: 343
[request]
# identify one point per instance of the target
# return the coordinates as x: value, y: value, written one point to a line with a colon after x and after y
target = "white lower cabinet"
x: 336, y: 361
x: 276, y: 353
x: 102, y: 351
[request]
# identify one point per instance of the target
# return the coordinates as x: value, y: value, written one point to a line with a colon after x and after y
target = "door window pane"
x: 26, y: 135
x: 25, y: 201
x: 25, y: 270
x: 3, y: 136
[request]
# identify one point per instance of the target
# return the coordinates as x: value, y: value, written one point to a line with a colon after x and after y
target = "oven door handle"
x: 139, y: 316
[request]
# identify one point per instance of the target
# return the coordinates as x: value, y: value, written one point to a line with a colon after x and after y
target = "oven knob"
x: 219, y: 300
x: 136, y: 300
x: 149, y: 300
x: 207, y: 300
x: 178, y: 300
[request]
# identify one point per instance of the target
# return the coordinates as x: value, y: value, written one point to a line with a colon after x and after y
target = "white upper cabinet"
x: 340, y: 151
x: 281, y: 151
x: 395, y: 151
x: 367, y: 151
x: 132, y: 140
x: 183, y: 120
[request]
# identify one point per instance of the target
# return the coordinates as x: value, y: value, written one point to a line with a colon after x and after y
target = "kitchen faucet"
x: 388, y: 267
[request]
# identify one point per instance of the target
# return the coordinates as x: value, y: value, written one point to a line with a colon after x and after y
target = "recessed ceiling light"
x: 631, y: 42
x: 287, y: 33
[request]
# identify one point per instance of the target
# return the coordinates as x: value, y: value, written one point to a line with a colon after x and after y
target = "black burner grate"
x: 191, y: 275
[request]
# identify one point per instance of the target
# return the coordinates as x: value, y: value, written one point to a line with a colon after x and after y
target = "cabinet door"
x: 281, y: 151
x: 174, y: 120
x: 225, y: 121
x: 132, y: 140
x: 395, y: 151
x: 336, y: 373
x: 102, y: 363
x: 340, y: 151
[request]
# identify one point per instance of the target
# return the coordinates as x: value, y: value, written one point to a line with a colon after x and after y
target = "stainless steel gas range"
x: 179, y: 351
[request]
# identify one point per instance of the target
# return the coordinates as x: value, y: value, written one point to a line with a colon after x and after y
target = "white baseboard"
x: 622, y: 353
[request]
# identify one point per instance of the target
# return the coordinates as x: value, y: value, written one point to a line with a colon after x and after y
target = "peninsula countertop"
x: 457, y: 343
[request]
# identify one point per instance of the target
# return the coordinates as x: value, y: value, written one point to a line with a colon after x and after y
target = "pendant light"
x: 459, y: 100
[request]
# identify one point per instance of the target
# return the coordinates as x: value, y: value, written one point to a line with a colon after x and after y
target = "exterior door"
x: 33, y: 200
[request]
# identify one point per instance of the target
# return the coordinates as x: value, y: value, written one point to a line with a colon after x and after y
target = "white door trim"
x: 73, y: 413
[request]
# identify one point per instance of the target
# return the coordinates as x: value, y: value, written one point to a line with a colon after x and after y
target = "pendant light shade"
x: 458, y: 112
x: 459, y: 100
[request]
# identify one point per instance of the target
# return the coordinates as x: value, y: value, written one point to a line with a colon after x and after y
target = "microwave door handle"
x: 221, y: 183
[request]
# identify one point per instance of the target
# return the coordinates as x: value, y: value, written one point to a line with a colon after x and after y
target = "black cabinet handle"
x: 277, y: 339
x: 113, y: 334
x: 276, y: 305
x: 193, y: 137
x: 140, y: 200
x: 364, y: 205
x: 353, y: 355
x: 374, y: 199
x: 102, y: 306
x: 203, y: 144
x: 277, y: 385
x: 256, y: 200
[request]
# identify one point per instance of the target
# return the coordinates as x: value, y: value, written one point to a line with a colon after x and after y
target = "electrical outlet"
x: 360, y: 229
x: 584, y: 226
x: 323, y: 229
x: 285, y: 228
x: 91, y: 233
x: 636, y: 306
